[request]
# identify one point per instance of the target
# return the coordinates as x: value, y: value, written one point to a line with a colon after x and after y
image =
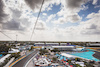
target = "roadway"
x: 22, y: 62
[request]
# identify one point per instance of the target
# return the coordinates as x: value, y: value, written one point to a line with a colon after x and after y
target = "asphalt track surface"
x: 22, y: 62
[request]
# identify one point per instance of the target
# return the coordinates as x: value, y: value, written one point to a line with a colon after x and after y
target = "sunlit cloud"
x: 60, y: 20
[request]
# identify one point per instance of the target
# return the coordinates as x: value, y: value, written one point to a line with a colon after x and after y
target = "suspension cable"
x: 36, y: 20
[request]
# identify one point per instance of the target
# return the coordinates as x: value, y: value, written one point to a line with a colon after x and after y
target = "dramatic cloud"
x: 73, y: 18
x: 3, y: 16
x: 12, y: 25
x: 17, y: 22
x: 92, y: 26
x: 60, y: 20
x: 73, y: 4
x: 34, y: 4
x: 69, y: 11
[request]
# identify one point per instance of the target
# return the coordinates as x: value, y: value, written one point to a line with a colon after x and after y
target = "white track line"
x: 30, y: 59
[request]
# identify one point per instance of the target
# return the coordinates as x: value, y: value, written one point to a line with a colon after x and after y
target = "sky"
x: 59, y: 20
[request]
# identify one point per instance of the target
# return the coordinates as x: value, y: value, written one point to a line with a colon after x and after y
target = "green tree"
x: 55, y: 50
x: 16, y: 55
x: 4, y: 48
x: 54, y: 59
x: 43, y: 51
x: 69, y: 61
x: 77, y: 65
x: 31, y: 48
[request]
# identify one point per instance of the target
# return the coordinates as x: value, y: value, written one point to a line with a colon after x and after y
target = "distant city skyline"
x: 60, y: 20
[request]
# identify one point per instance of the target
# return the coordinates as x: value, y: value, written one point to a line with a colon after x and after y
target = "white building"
x: 39, y: 44
x: 95, y: 44
x: 80, y: 49
x: 3, y: 58
x: 13, y: 51
x: 52, y: 44
x: 18, y: 44
x: 80, y: 63
x: 46, y: 44
x: 63, y: 44
x: 42, y: 61
x: 22, y: 48
x: 63, y: 47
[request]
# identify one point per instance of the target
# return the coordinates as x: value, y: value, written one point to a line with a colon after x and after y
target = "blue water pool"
x: 86, y: 55
x: 0, y: 55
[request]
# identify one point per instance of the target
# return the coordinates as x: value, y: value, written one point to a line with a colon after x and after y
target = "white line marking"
x: 30, y: 60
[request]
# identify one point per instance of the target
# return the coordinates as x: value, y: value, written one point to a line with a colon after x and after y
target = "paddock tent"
x: 68, y: 55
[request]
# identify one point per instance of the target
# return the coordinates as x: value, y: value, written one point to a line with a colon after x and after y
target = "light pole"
x: 16, y: 37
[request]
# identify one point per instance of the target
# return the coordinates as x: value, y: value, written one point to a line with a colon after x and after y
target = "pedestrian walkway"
x: 31, y: 64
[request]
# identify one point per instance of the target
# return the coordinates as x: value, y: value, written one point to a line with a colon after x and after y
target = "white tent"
x: 80, y: 63
x: 68, y: 55
x: 13, y: 51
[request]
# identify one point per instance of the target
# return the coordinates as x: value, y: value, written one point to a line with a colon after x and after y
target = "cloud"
x: 17, y: 21
x: 12, y: 25
x: 51, y: 17
x: 44, y: 14
x: 34, y: 4
x: 73, y: 18
x: 69, y: 11
x: 91, y: 32
x: 94, y: 15
x: 97, y: 6
x: 3, y: 15
x: 16, y: 13
x: 94, y: 2
x: 23, y: 21
x: 9, y: 21
x: 92, y: 26
x: 60, y: 21
x: 89, y: 28
x: 84, y: 7
x: 41, y: 25
x: 73, y: 4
